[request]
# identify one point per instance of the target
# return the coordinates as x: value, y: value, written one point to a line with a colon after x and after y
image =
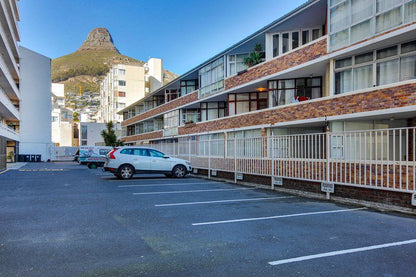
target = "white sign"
x: 239, y: 176
x: 278, y: 181
x: 327, y: 187
x: 414, y: 199
x: 195, y: 170
x: 214, y: 173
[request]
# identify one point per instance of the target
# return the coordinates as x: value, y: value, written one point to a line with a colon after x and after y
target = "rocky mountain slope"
x: 84, y: 69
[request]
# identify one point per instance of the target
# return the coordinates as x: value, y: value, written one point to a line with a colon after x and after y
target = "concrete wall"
x: 93, y: 133
x: 35, y: 105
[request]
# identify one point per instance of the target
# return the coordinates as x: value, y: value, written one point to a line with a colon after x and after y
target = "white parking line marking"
x: 167, y: 180
x: 223, y: 201
x: 161, y: 185
x: 187, y: 191
x: 342, y: 252
x: 275, y: 217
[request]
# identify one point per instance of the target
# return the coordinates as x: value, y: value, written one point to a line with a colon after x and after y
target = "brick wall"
x: 295, y: 58
x: 147, y: 136
x: 162, y: 108
x: 394, y: 97
x: 392, y: 198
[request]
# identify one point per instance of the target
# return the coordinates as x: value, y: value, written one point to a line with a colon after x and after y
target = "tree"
x: 75, y: 116
x: 109, y: 136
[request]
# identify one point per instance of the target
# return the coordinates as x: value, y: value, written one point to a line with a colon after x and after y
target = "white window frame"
x: 372, y: 17
x: 269, y: 50
x: 374, y: 63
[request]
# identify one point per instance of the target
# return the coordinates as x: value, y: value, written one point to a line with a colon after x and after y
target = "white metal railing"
x: 6, y: 128
x: 380, y: 159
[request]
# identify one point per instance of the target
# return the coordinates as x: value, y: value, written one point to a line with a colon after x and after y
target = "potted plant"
x: 255, y: 57
x: 10, y: 157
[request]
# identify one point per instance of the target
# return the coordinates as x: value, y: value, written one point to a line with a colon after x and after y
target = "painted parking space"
x: 231, y: 230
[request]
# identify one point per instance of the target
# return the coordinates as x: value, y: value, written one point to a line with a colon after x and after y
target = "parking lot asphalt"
x: 62, y: 219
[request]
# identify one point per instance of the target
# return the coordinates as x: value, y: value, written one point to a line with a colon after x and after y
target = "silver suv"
x: 124, y: 162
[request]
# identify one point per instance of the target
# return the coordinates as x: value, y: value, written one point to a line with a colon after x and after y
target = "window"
x: 171, y: 119
x: 213, y: 110
x: 295, y: 90
x: 246, y: 102
x: 188, y: 86
x: 190, y: 115
x: 211, y: 78
x: 84, y: 132
x: 379, y: 67
x: 355, y: 20
x: 141, y: 152
x: 121, y: 72
x: 236, y: 64
x: 156, y: 154
x: 121, y: 83
x: 286, y: 41
x: 171, y: 94
x: 121, y: 94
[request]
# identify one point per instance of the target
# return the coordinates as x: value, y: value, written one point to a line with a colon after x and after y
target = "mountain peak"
x: 98, y: 39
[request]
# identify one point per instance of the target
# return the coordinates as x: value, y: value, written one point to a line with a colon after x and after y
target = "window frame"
x: 374, y: 62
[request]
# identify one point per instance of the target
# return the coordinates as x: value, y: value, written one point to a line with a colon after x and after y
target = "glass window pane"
x: 387, y: 52
x: 253, y: 105
x: 343, y: 81
x: 367, y: 57
x: 361, y: 31
x: 408, y: 68
x: 388, y: 20
x: 339, y: 39
x: 242, y: 107
x: 263, y: 95
x: 242, y: 96
x: 363, y: 77
x: 408, y: 47
x: 212, y: 105
x: 275, y: 45
x: 343, y: 63
x: 316, y: 81
x: 212, y: 114
x: 334, y: 2
x: 286, y: 83
x: 383, y: 5
x: 285, y: 42
x: 305, y: 36
x: 340, y: 17
x: 361, y: 9
x: 410, y: 11
x: 316, y: 34
x: 388, y: 72
x: 295, y: 40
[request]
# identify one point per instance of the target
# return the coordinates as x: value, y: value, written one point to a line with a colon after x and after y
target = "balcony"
x: 291, y: 59
x: 8, y: 133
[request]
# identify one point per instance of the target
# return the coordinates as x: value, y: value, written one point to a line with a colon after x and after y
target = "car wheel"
x: 125, y: 172
x: 179, y: 171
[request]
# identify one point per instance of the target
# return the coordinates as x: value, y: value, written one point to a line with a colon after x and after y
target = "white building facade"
x: 125, y: 84
x: 35, y: 105
x: 9, y: 78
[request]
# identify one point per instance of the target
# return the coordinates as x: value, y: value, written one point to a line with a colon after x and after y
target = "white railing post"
x: 189, y: 148
x: 209, y: 157
x: 235, y: 158
x: 272, y: 158
x: 328, y: 149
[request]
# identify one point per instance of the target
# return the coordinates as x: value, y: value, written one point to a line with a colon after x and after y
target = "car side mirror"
x: 166, y: 157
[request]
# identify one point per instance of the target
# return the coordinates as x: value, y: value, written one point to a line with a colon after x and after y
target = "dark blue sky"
x: 182, y: 33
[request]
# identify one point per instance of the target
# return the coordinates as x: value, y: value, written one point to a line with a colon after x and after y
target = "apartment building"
x: 9, y: 81
x: 125, y: 84
x: 326, y: 94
